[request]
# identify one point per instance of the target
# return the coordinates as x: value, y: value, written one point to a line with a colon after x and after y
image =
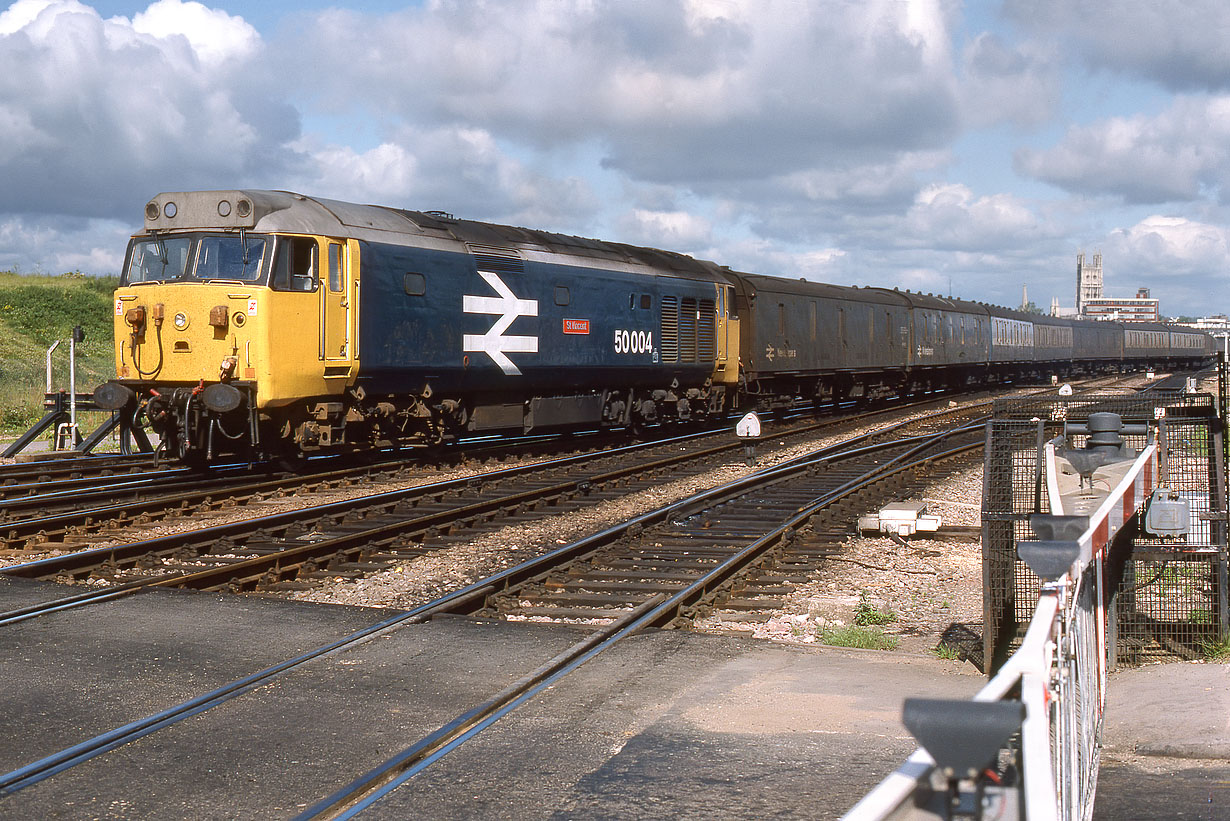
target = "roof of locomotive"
x: 288, y: 212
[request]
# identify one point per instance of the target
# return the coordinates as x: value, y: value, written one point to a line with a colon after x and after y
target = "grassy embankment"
x: 35, y: 311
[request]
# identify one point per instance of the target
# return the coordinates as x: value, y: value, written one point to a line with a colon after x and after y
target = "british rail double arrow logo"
x: 494, y: 343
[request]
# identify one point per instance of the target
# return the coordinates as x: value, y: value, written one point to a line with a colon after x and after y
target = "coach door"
x: 727, y: 369
x: 336, y: 344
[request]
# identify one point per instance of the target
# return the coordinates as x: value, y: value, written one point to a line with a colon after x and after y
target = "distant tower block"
x: 1088, y: 281
x: 1024, y: 297
x: 1054, y: 306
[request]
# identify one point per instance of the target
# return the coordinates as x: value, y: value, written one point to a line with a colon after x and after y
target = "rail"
x: 1028, y: 743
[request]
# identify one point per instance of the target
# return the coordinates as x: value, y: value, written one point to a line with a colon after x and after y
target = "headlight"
x: 181, y: 321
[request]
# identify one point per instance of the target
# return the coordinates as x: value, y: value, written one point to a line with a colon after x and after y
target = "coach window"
x: 562, y: 297
x: 294, y: 264
x: 414, y: 284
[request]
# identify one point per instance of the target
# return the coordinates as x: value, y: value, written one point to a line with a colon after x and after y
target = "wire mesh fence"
x: 1168, y: 594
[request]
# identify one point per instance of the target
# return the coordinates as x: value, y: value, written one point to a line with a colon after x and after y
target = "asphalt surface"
x: 1166, y: 744
x: 667, y: 725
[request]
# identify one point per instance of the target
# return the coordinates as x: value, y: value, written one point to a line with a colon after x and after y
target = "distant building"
x: 1088, y: 281
x: 1216, y: 322
x: 1141, y: 308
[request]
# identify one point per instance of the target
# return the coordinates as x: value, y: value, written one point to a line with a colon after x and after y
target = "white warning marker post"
x: 748, y: 429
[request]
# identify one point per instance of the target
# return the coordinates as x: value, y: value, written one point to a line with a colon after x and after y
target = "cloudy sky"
x: 935, y: 145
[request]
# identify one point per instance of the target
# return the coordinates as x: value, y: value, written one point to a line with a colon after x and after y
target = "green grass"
x: 1216, y: 649
x: 35, y: 311
x: 867, y: 613
x: 858, y: 636
x: 946, y: 652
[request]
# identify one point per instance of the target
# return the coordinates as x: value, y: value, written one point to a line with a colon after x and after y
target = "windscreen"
x: 157, y: 260
x: 229, y: 257
x: 197, y: 257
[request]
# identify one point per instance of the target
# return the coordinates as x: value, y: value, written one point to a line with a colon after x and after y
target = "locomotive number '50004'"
x: 633, y: 341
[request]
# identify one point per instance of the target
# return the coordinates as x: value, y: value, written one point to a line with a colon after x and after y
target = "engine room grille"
x: 689, y: 331
x: 670, y: 329
x: 706, y: 332
x: 501, y: 260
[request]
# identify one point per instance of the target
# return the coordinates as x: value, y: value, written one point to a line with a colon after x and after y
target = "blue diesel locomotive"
x: 268, y: 322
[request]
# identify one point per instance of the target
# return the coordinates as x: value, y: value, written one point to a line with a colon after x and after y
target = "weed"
x: 946, y: 652
x: 867, y: 613
x: 861, y: 637
x: 1216, y: 649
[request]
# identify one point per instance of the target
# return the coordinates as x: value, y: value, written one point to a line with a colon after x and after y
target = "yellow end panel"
x: 188, y: 329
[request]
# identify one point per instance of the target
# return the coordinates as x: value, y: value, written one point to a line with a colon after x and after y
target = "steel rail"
x: 466, y: 600
x: 659, y: 610
x: 32, y: 532
x: 289, y: 560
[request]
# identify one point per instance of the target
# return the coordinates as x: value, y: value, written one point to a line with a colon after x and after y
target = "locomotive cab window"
x: 294, y: 264
x: 201, y: 257
x: 562, y: 296
x: 161, y: 259
x: 229, y: 257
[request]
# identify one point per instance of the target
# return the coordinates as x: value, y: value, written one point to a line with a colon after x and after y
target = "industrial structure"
x: 1141, y: 308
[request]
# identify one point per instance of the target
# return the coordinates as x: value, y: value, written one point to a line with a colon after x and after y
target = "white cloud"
x: 1004, y: 82
x: 461, y: 170
x: 101, y: 113
x: 1182, y: 153
x: 1171, y: 247
x: 1182, y: 261
x: 677, y: 92
x: 56, y: 245
x: 951, y: 216
x: 671, y: 230
x: 215, y: 36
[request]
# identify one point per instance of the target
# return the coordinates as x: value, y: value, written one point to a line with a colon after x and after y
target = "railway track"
x: 668, y: 557
x: 351, y: 538
x: 54, y: 468
x: 74, y: 511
